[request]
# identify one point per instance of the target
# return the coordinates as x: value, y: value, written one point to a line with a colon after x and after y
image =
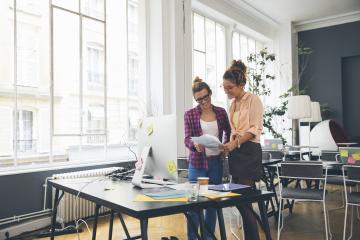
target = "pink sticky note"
x: 351, y: 160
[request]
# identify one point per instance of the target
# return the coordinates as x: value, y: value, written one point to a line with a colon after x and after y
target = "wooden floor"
x: 306, y: 222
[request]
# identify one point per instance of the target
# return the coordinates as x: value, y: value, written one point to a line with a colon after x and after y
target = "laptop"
x: 273, y: 144
x: 350, y: 155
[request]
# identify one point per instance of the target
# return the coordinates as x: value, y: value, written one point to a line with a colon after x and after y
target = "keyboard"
x: 157, y: 181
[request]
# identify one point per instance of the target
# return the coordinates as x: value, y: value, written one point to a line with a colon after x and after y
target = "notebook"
x: 227, y: 187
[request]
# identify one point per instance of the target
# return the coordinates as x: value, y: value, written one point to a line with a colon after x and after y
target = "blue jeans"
x: 214, y: 172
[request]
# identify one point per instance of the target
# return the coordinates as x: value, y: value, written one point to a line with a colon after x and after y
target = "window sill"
x: 55, y: 166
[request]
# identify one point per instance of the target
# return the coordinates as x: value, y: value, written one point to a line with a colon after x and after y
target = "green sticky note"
x: 149, y: 130
x: 344, y: 153
x: 274, y: 146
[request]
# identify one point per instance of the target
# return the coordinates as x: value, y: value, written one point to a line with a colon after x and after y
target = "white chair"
x: 351, y: 198
x: 302, y: 170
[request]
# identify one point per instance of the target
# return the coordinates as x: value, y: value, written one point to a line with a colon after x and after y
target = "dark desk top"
x: 121, y: 195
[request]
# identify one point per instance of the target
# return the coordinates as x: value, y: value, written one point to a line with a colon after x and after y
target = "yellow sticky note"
x: 149, y: 130
x: 274, y: 146
x: 221, y: 195
x: 171, y: 166
x: 356, y: 156
x: 344, y: 153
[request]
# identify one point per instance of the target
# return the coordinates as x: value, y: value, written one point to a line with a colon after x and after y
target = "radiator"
x: 67, y: 207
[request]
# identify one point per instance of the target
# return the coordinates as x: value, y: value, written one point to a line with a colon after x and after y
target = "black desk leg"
x: 143, y: 227
x: 53, y: 219
x: 124, y: 226
x: 264, y: 219
x: 97, y: 207
x: 111, y: 224
x: 221, y: 223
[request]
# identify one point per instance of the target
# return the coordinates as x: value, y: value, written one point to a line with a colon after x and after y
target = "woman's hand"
x: 228, y: 147
x: 199, y: 147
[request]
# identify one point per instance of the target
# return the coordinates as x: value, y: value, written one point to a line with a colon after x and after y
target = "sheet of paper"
x: 207, y: 140
x: 144, y: 198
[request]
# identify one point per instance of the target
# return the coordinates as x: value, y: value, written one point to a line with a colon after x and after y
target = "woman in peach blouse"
x: 246, y: 120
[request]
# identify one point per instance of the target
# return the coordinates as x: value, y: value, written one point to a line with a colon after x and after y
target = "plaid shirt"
x: 193, y: 129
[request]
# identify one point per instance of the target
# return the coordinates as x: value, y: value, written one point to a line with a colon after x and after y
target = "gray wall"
x: 329, y: 70
x: 24, y: 193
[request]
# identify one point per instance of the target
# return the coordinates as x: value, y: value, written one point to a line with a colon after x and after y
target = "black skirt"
x: 246, y: 162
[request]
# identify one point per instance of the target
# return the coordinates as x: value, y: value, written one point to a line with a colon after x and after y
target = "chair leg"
x: 351, y: 222
x: 326, y: 222
x: 280, y: 221
x: 345, y: 218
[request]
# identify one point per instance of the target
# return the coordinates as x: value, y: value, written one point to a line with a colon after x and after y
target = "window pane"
x: 243, y: 48
x: 66, y: 73
x: 220, y: 64
x: 199, y: 35
x: 235, y: 46
x: 94, y: 77
x: 93, y: 8
x: 7, y: 91
x: 198, y: 64
x: 72, y: 5
x: 210, y: 76
x: 251, y: 45
x: 7, y: 45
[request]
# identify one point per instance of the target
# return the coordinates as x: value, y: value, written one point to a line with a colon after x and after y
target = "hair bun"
x: 238, y: 65
x: 197, y: 80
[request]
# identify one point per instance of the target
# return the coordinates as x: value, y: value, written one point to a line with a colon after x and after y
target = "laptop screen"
x: 272, y: 144
x: 350, y: 155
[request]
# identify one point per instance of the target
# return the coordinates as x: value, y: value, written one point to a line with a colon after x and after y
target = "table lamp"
x: 299, y: 107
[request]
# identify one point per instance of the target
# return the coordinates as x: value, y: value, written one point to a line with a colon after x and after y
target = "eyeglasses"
x: 204, y: 98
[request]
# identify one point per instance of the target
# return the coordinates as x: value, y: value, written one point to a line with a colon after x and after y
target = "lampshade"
x: 299, y: 107
x: 315, y: 113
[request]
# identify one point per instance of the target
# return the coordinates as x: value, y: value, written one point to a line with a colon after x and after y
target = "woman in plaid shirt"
x: 205, y: 118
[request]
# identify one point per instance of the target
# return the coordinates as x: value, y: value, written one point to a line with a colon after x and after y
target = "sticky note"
x: 171, y: 166
x: 266, y: 142
x: 140, y: 123
x: 149, y: 130
x: 139, y: 164
x: 274, y: 146
x: 356, y: 156
x: 351, y: 160
x: 344, y: 153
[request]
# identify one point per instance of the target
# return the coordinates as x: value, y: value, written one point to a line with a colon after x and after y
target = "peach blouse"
x: 249, y: 118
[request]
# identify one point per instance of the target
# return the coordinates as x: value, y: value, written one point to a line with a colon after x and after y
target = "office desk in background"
x: 120, y: 199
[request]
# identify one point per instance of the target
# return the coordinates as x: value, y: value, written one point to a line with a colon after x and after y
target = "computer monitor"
x: 157, y: 147
x: 350, y: 155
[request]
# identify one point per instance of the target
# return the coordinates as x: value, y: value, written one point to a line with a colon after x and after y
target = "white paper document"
x: 207, y: 140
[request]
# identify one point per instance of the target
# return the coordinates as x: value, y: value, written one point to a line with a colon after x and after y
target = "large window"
x: 209, y: 54
x: 69, y: 80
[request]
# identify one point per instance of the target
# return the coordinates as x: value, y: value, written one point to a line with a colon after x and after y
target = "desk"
x: 120, y: 200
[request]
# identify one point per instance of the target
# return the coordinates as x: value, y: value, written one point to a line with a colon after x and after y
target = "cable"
x: 76, y: 205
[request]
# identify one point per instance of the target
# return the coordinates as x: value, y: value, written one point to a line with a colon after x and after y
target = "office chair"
x: 351, y: 198
x: 302, y: 170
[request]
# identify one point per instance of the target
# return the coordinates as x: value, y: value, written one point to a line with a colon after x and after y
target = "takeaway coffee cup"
x: 203, y: 184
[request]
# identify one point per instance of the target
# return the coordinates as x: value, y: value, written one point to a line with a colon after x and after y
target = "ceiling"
x: 301, y: 10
